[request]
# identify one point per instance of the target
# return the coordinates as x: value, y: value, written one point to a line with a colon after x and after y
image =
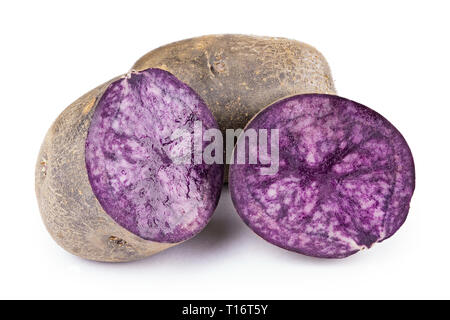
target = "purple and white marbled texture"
x: 128, y: 164
x: 345, y: 180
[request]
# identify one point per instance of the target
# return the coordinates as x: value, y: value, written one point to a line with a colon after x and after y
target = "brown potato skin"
x: 71, y: 212
x: 238, y: 75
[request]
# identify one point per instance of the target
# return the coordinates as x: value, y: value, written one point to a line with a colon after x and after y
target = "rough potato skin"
x: 71, y: 212
x: 238, y: 75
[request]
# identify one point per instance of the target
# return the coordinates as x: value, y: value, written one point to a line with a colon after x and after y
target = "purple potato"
x: 238, y: 75
x: 344, y: 181
x: 107, y: 186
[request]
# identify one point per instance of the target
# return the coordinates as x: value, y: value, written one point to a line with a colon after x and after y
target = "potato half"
x: 107, y: 184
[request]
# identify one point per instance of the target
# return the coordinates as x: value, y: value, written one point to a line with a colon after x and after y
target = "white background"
x: 392, y: 56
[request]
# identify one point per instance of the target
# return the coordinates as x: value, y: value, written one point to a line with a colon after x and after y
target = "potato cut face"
x: 130, y: 151
x: 345, y: 178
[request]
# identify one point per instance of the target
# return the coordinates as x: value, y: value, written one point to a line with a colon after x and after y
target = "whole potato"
x: 238, y: 75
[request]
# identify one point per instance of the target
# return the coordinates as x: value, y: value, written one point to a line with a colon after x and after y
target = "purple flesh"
x: 345, y: 179
x: 128, y: 163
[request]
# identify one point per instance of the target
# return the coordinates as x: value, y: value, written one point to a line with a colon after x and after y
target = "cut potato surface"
x: 128, y: 162
x: 345, y: 178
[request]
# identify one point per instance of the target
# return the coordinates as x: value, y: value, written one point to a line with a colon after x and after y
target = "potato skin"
x: 71, y: 212
x: 238, y: 75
